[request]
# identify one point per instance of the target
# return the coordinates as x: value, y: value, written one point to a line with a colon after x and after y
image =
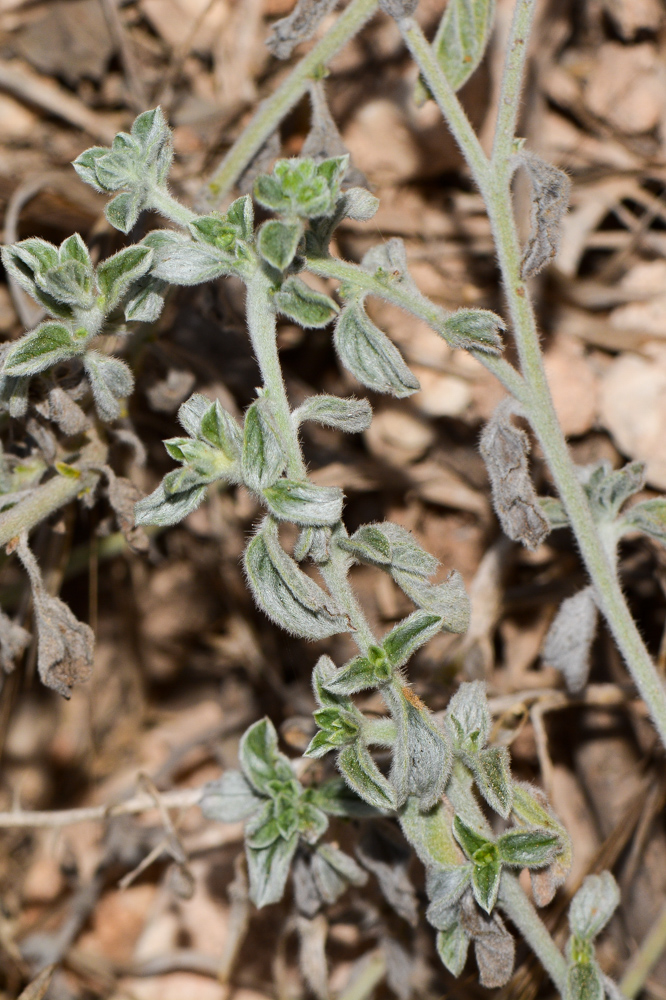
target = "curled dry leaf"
x: 65, y: 645
x: 123, y: 495
x: 300, y: 25
x: 550, y: 201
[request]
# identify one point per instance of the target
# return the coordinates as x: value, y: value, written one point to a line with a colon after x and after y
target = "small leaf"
x: 229, y: 799
x: 648, y: 517
x: 550, y: 200
x: 448, y: 600
x: 123, y: 211
x: 303, y: 502
x: 44, y: 347
x: 192, y: 412
x: 492, y: 773
x: 361, y: 773
x: 361, y: 673
x: 165, y: 509
x: 305, y: 306
x: 475, y: 328
x: 485, y: 884
x: 145, y: 301
x: 351, y: 415
x: 614, y: 488
x: 289, y: 597
x: 452, y: 947
x: 297, y: 27
x: 260, y: 759
x: 222, y: 430
x: 369, y: 354
x: 462, y: 38
x: 359, y: 204
x: 554, y: 512
x: 336, y: 798
x: 116, y: 274
x: 262, y: 459
x: 409, y: 635
x: 312, y: 822
x: 530, y: 808
x: 470, y: 840
x: 179, y: 260
x: 494, y: 947
x: 277, y: 242
x: 569, y: 640
x: 421, y: 762
x: 468, y: 717
x: 593, y: 905
x: 528, y: 848
x: 445, y: 889
x: 110, y: 380
x: 370, y: 544
x: 268, y: 870
x: 584, y: 982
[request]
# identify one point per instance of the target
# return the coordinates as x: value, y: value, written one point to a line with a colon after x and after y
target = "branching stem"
x: 42, y: 502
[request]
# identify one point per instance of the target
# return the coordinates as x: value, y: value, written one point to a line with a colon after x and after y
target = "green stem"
x: 273, y: 110
x: 335, y: 574
x: 524, y: 916
x: 495, y: 186
x: 261, y: 323
x: 512, y: 81
x: 45, y: 499
x: 417, y: 305
x: 171, y: 208
x: 645, y: 958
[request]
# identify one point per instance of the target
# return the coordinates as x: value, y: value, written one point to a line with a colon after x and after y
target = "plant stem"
x: 335, y: 574
x: 171, y: 208
x: 44, y: 500
x: 263, y: 335
x: 512, y: 81
x: 273, y: 110
x: 522, y: 913
x: 417, y: 305
x: 495, y: 186
x: 645, y: 958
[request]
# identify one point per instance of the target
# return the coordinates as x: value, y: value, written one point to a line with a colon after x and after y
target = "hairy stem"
x: 171, y: 208
x: 523, y: 915
x: 43, y: 501
x: 495, y: 186
x: 512, y: 81
x: 335, y: 574
x: 273, y: 110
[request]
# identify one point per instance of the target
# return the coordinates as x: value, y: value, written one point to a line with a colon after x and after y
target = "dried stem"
x: 177, y: 799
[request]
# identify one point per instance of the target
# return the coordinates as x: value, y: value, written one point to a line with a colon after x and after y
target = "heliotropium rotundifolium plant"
x: 441, y: 779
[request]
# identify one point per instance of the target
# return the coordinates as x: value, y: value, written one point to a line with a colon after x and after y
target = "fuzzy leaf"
x: 165, y: 509
x: 289, y: 597
x: 145, y: 301
x: 445, y: 889
x: 527, y: 848
x: 452, y: 948
x: 298, y: 26
x: 448, y: 600
x: 530, y: 808
x: 550, y: 200
x: 409, y: 635
x: 421, y: 762
x: 351, y: 415
x: 469, y: 839
x: 277, y: 242
x: 648, y: 517
x: 260, y: 758
x: 485, y: 884
x: 229, y: 799
x: 584, y: 982
x: 361, y: 673
x: 222, y: 430
x: 179, y: 260
x: 593, y: 905
x: 303, y: 502
x: 268, y: 870
x: 462, y: 38
x: 111, y: 380
x: 44, y: 347
x: 475, y: 328
x: 336, y: 798
x: 116, y: 274
x: 569, y: 640
x: 123, y: 211
x: 262, y: 459
x: 301, y: 303
x: 369, y: 354
x: 492, y: 773
x: 468, y: 717
x: 363, y: 776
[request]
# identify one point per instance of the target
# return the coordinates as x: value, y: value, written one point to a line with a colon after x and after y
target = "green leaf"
x: 554, y: 511
x: 192, y: 412
x: 277, y: 242
x: 229, y: 799
x: 369, y: 355
x: 492, y: 773
x: 480, y: 329
x: 449, y: 599
x: 262, y: 457
x: 358, y: 203
x: 165, y: 509
x: 145, y: 301
x: 468, y: 718
x: 462, y: 38
x: 289, y: 597
x: 370, y: 544
x: 361, y: 673
x: 648, y: 517
x: 431, y: 833
x: 469, y: 839
x: 241, y: 214
x: 111, y: 381
x: 268, y: 870
x: 303, y: 502
x: 312, y: 822
x: 116, y: 274
x: 530, y: 808
x: 260, y: 759
x: 485, y: 884
x: 351, y: 415
x: 409, y: 635
x: 123, y: 211
x: 222, y: 430
x: 262, y: 829
x: 452, y: 946
x: 44, y: 347
x: 421, y: 762
x: 325, y: 670
x: 337, y: 726
x: 336, y: 798
x: 528, y: 848
x: 301, y: 303
x: 179, y: 260
x: 364, y: 777
x: 584, y: 982
x: 593, y: 905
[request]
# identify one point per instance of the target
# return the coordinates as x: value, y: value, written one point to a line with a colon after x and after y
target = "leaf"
x: 448, y: 600
x: 44, y: 347
x: 528, y: 848
x: 260, y: 759
x: 469, y: 839
x: 123, y: 211
x: 361, y: 673
x: 303, y: 502
x: 648, y: 517
x: 584, y: 982
x: 312, y: 822
x: 370, y: 544
x: 165, y: 509
x: 569, y: 640
x: 431, y: 834
x: 359, y: 204
x: 289, y: 597
x: 298, y: 26
x: 116, y: 274
x: 468, y: 717
x: 192, y: 412
x: 610, y: 490
x: 462, y: 38
x: 504, y: 449
x: 494, y: 947
x: 445, y: 889
x: 492, y: 773
x: 263, y: 459
x: 336, y: 798
x: 550, y: 201
x: 179, y: 260
x: 222, y: 430
x: 110, y: 380
x: 530, y: 808
x: 301, y: 303
x: 409, y: 635
x: 485, y: 884
x: 351, y: 415
x: 475, y: 328
x: 277, y: 242
x: 229, y: 799
x: 452, y: 947
x: 369, y: 355
x: 593, y: 905
x: 268, y: 870
x: 421, y: 762
x: 145, y: 301
x: 362, y: 775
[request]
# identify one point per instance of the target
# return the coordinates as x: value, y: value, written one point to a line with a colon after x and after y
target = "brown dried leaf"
x: 550, y: 201
x: 300, y: 25
x: 504, y: 449
x: 123, y: 495
x: 494, y: 947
